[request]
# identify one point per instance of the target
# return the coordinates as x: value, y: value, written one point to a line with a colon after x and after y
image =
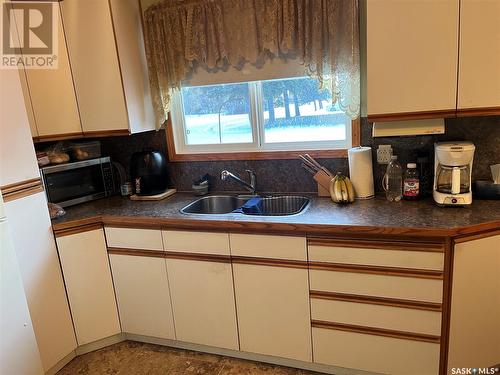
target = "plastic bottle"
x: 393, y: 180
x: 411, y: 182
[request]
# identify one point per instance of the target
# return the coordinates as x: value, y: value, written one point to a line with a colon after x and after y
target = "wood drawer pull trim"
x: 196, y: 256
x: 78, y: 229
x: 377, y: 270
x: 376, y: 331
x: 383, y: 245
x: 372, y: 300
x: 136, y: 252
x: 21, y: 189
x: 270, y: 262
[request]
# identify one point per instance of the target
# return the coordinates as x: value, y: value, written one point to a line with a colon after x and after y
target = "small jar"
x: 411, y: 182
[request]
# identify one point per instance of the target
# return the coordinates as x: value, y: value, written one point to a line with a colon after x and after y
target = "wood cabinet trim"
x: 374, y: 244
x: 421, y: 115
x: 136, y: 252
x: 376, y: 331
x: 21, y: 189
x: 199, y: 257
x: 79, y: 229
x: 377, y: 270
x: 419, y: 235
x: 477, y: 236
x: 372, y: 300
x: 481, y: 111
x: 272, y: 262
x: 91, y: 134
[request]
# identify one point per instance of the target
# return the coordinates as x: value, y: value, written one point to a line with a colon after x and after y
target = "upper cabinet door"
x: 52, y: 96
x: 412, y: 49
x: 479, y: 61
x: 95, y: 65
x: 17, y: 155
x: 127, y: 20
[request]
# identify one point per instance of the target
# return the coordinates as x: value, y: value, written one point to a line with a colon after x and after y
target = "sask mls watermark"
x: 29, y: 34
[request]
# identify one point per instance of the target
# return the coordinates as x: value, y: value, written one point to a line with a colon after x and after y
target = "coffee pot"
x: 453, y: 173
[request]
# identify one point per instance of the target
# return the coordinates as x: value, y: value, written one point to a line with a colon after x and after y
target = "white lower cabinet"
x: 375, y: 353
x: 87, y: 276
x: 143, y: 295
x: 273, y: 311
x: 272, y: 298
x: 203, y: 302
x: 201, y: 285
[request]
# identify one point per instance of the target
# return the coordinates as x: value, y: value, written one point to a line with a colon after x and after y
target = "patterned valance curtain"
x: 322, y: 34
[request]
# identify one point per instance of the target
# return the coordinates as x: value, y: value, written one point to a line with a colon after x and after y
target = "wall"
x: 289, y: 176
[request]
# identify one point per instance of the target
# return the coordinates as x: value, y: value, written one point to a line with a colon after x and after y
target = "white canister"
x: 361, y: 171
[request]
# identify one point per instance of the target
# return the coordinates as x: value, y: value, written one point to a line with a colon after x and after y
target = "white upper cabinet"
x: 17, y: 155
x: 412, y: 49
x: 108, y: 63
x: 127, y: 22
x: 51, y: 95
x: 479, y: 61
x: 96, y: 70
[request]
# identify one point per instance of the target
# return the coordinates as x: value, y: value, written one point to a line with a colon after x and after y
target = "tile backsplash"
x: 289, y: 176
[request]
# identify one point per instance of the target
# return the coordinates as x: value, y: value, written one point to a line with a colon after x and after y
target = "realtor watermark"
x: 475, y: 370
x: 29, y: 34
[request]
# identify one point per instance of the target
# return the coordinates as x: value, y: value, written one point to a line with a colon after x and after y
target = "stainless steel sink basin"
x: 215, y: 205
x: 268, y: 206
x: 282, y: 206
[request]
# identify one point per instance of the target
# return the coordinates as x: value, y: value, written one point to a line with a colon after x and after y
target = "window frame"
x: 247, y: 151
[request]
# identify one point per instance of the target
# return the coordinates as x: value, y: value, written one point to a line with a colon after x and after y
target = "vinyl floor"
x: 134, y: 358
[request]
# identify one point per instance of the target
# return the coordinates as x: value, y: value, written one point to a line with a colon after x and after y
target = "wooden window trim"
x: 173, y: 156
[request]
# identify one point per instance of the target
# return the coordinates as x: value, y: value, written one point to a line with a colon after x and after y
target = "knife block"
x: 323, y: 180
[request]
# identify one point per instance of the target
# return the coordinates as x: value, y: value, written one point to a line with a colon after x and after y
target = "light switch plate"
x: 384, y: 153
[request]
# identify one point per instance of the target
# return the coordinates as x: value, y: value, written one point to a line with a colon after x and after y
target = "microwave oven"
x: 82, y: 181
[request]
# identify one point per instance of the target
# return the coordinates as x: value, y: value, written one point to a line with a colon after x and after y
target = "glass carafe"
x: 453, y: 180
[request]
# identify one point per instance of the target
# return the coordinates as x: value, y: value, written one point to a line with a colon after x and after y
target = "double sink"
x: 234, y: 204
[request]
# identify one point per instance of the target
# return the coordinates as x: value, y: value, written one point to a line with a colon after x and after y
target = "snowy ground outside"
x: 204, y: 129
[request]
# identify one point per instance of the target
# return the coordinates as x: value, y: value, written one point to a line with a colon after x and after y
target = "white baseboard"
x: 59, y: 365
x: 245, y: 355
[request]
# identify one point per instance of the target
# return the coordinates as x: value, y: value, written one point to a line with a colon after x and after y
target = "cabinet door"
x: 17, y: 154
x: 479, y: 72
x: 52, y: 95
x: 475, y: 304
x: 127, y: 21
x: 94, y: 62
x: 273, y: 310
x: 23, y: 357
x: 143, y: 295
x: 412, y: 54
x: 36, y: 253
x: 87, y: 276
x: 203, y: 302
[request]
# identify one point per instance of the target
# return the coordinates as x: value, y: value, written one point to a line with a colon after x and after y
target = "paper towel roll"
x: 361, y: 171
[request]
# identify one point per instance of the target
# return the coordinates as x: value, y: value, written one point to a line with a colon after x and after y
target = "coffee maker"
x: 453, y: 173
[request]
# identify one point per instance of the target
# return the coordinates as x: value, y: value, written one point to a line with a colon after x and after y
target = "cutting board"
x: 157, y: 197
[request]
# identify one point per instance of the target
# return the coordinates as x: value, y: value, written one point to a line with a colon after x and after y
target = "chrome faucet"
x: 224, y: 175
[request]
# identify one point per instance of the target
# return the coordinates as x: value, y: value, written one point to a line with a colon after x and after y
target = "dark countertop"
x: 376, y: 216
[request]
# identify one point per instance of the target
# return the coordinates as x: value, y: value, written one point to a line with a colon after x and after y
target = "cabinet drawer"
x: 377, y: 257
x: 377, y: 316
x: 129, y: 238
x: 275, y: 247
x: 196, y: 242
x: 400, y: 287
x: 374, y: 353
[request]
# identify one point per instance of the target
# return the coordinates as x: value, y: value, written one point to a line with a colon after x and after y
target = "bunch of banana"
x: 341, y: 189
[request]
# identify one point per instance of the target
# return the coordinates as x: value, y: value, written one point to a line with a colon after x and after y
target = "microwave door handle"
x: 455, y: 181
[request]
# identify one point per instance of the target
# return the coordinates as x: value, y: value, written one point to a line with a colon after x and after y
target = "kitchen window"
x: 276, y: 118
